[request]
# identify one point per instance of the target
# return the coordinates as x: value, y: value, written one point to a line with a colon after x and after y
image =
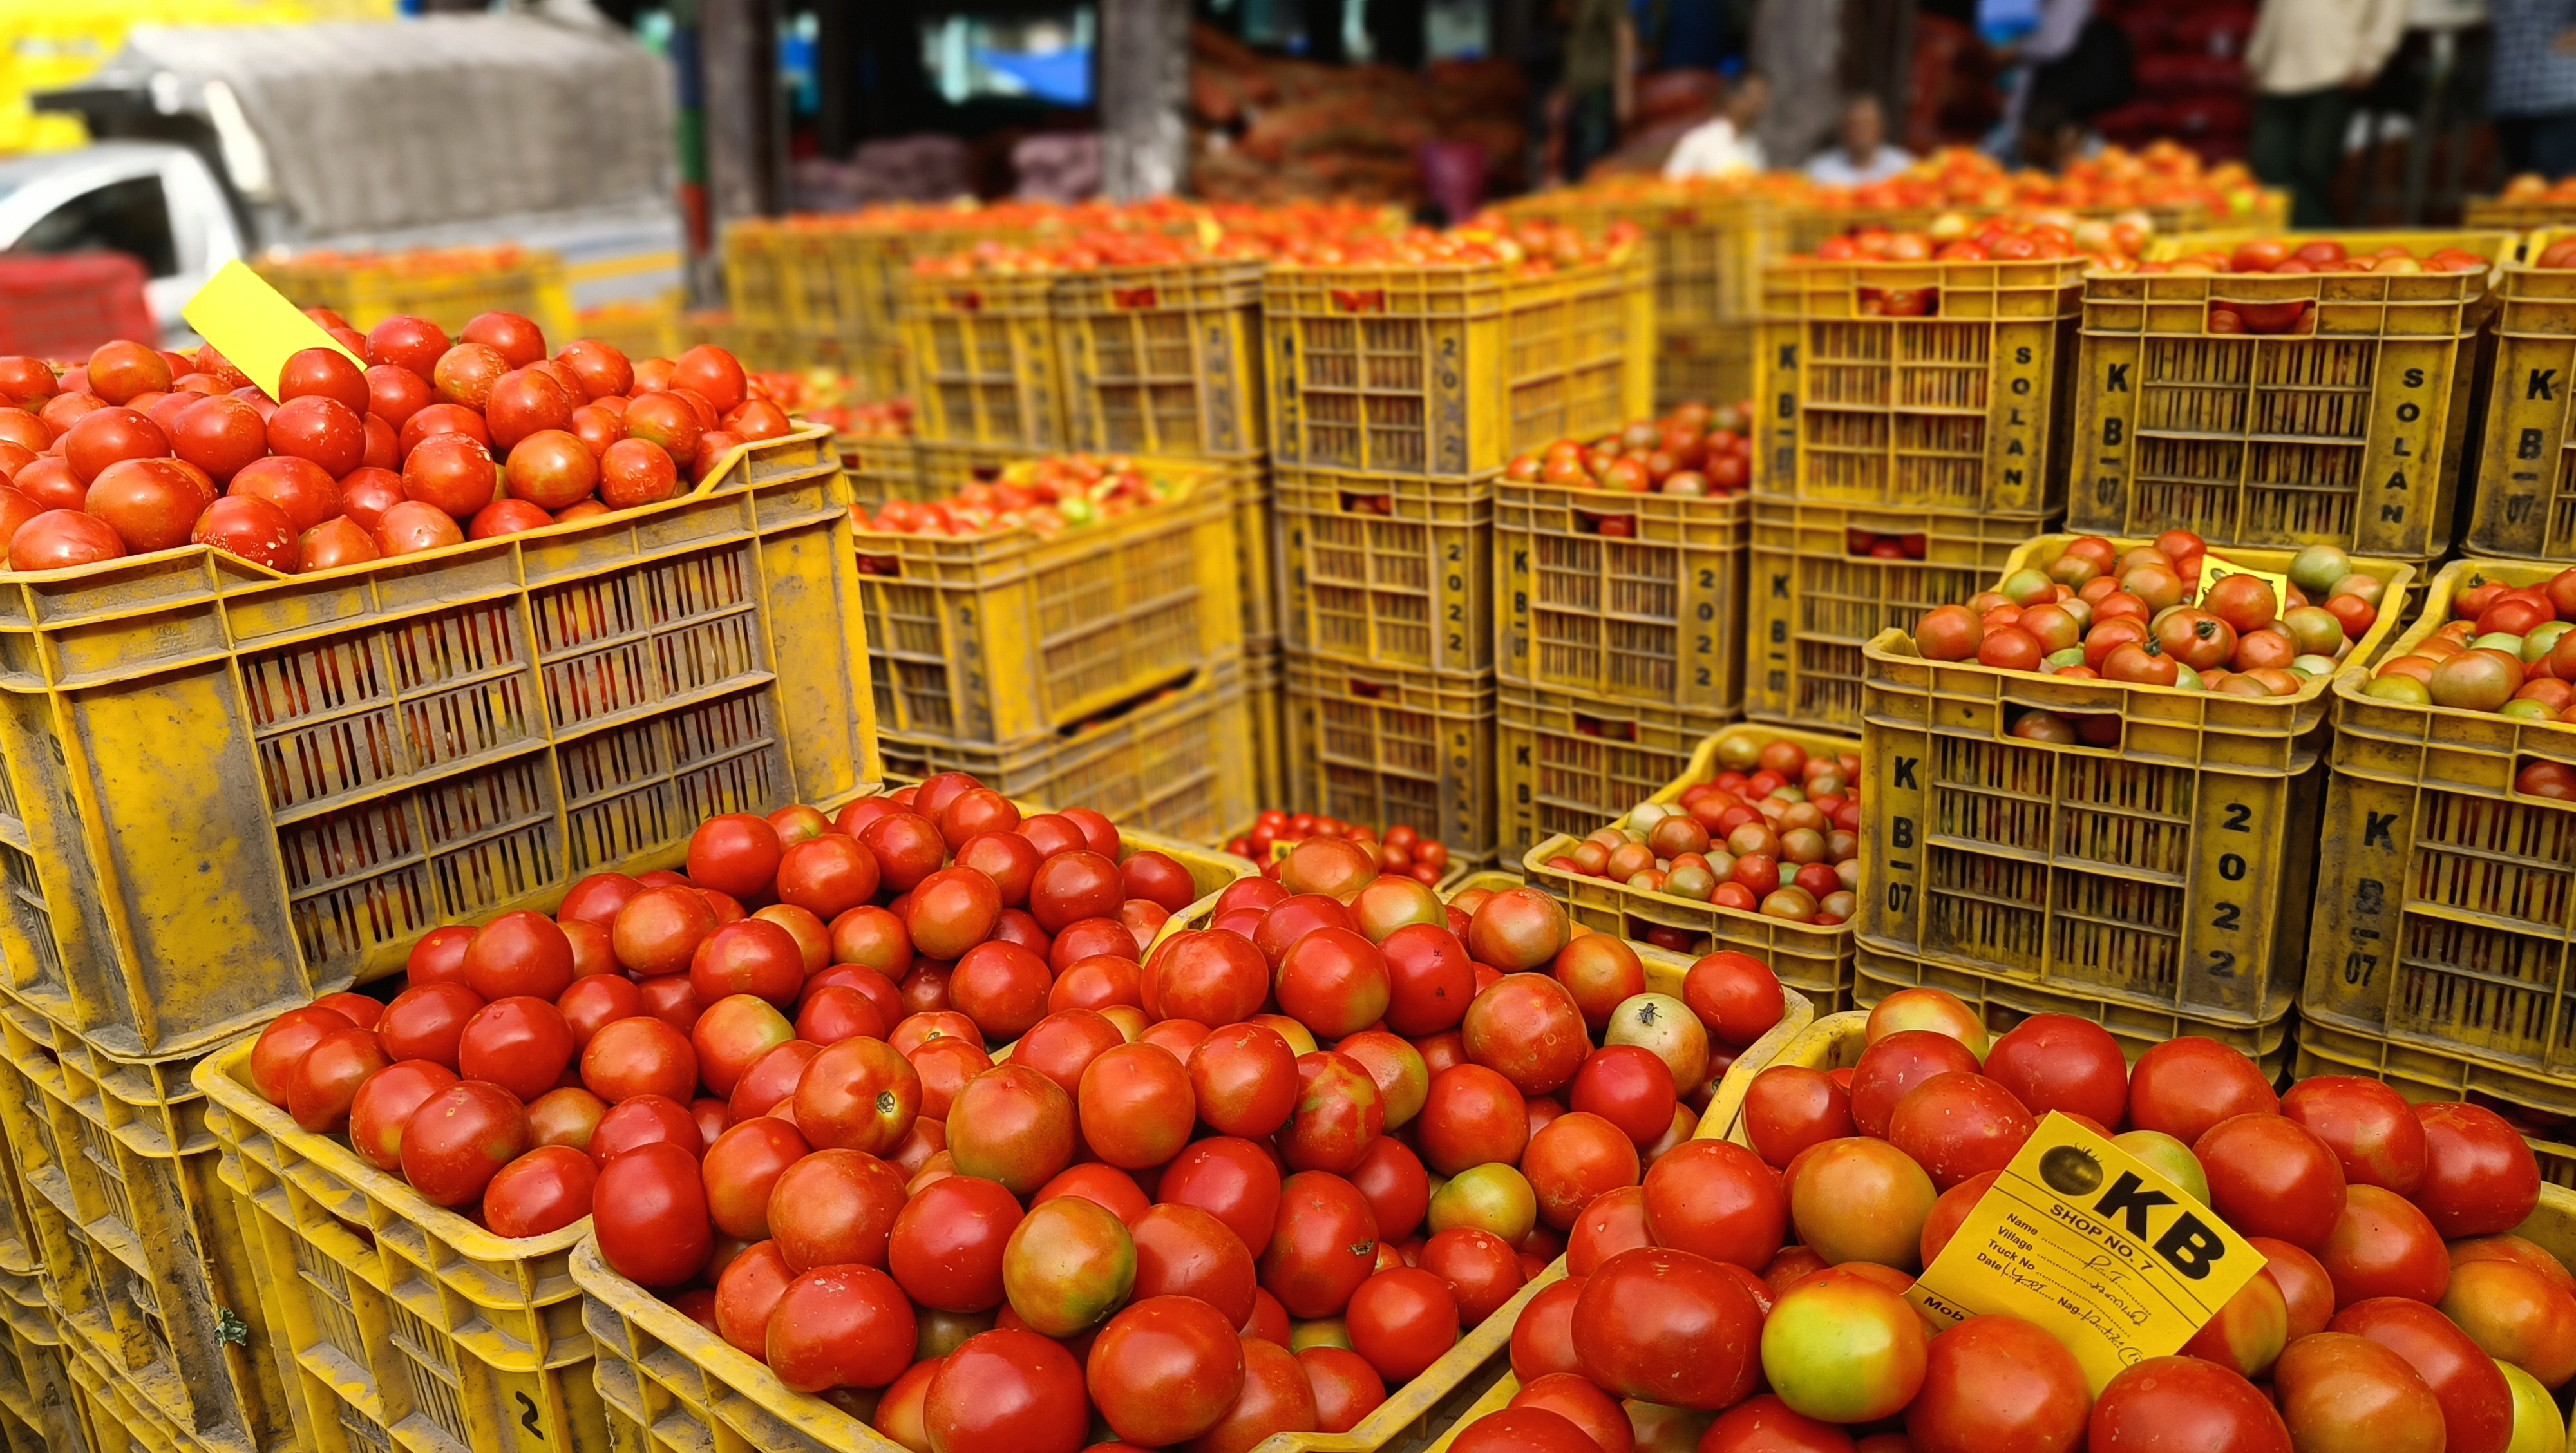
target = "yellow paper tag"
x: 2213, y: 570
x: 254, y: 326
x: 2086, y: 1240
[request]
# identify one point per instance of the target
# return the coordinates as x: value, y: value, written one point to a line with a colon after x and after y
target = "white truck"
x: 216, y: 144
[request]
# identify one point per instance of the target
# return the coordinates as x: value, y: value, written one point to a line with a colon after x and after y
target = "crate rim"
x: 2349, y: 681
x: 719, y: 481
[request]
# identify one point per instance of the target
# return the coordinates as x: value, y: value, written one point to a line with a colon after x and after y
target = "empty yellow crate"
x: 370, y: 753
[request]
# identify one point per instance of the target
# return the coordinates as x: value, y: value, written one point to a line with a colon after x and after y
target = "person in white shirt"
x: 2307, y: 59
x: 1724, y: 144
x: 1864, y: 155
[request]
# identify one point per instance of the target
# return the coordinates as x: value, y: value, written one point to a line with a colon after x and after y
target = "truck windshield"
x: 131, y: 216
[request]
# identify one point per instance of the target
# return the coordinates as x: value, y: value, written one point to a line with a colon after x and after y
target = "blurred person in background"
x: 2308, y: 59
x: 1863, y: 155
x: 1725, y: 143
x: 2532, y: 97
x: 1600, y: 65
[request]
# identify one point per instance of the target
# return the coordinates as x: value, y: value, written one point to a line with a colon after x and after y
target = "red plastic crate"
x: 62, y: 307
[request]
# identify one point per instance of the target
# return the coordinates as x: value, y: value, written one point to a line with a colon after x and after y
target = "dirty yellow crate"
x: 1176, y: 761
x: 1812, y: 958
x: 666, y: 1381
x: 995, y: 641
x: 2525, y: 506
x: 1256, y: 553
x: 375, y: 751
x: 144, y: 1265
x: 1388, y: 746
x: 39, y: 1411
x: 1447, y: 372
x: 2442, y: 904
x: 2347, y: 432
x: 1572, y: 762
x: 986, y: 359
x: 1624, y: 598
x: 2497, y: 214
x: 1163, y: 359
x: 880, y: 469
x: 1709, y: 363
x: 1825, y: 579
x: 1707, y: 239
x: 448, y: 286
x: 755, y: 272
x: 405, y: 1322
x: 1381, y: 571
x: 1961, y: 405
x: 2170, y: 871
x: 1265, y: 705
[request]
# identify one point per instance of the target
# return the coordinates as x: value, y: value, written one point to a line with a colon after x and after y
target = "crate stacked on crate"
x: 446, y: 285
x: 374, y: 753
x: 1813, y: 958
x: 2328, y: 407
x: 1619, y: 618
x: 2142, y: 855
x: 2437, y: 959
x: 2525, y: 506
x: 1911, y: 432
x: 1399, y: 387
x: 1095, y: 665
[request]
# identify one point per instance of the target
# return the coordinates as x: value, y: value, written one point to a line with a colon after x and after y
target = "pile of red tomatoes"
x: 1775, y: 832
x: 1749, y: 1297
x: 1998, y: 239
x: 1402, y: 849
x: 432, y: 442
x: 2505, y: 649
x: 2100, y: 611
x: 1049, y: 496
x: 1694, y: 451
x: 2288, y: 257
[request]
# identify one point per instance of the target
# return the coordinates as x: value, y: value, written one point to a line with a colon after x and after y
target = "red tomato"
x: 1334, y: 981
x: 1788, y: 1108
x: 1244, y: 1079
x: 2479, y: 1176
x: 2476, y: 1401
x: 1208, y: 976
x: 1339, y: 1112
x: 2172, y: 1404
x: 1628, y: 1085
x: 1524, y: 1430
x: 1667, y: 1327
x: 283, y: 1045
x: 840, y: 1326
x: 1958, y: 1125
x: 2382, y: 1246
x: 2059, y: 1062
x: 2306, y: 1290
x: 746, y: 1295
x: 1767, y: 1425
x: 646, y: 1120
x: 1543, y: 1337
x: 2340, y: 1393
x: 1735, y: 995
x: 521, y: 1044
x: 1575, y: 1158
x: 1234, y: 1180
x: 2270, y: 1176
x: 1136, y: 1107
x: 1322, y: 1246
x: 833, y: 1207
x: 1718, y: 1200
x: 459, y: 1138
x: 1013, y: 1125
x: 1402, y: 1321
x: 1165, y: 1369
x: 1346, y: 1388
x: 1276, y: 1398
x: 2184, y: 1086
x: 1184, y: 1251
x: 1471, y: 1116
x: 1430, y: 979
x: 1527, y: 1027
x: 543, y: 1191
x: 1895, y: 1065
x: 639, y: 1055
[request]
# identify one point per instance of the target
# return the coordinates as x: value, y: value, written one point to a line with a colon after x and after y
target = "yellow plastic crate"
x: 1813, y: 600
x: 880, y: 470
x: 380, y: 750
x: 1962, y: 409
x: 666, y: 1379
x: 1707, y: 242
x: 115, y: 1417
x: 1571, y: 763
x: 429, y: 1329
x: 755, y: 273
x: 1446, y: 373
x: 1163, y: 360
x: 2350, y: 433
x: 1813, y: 959
x: 1265, y: 705
x: 1708, y: 363
x: 1256, y: 552
x: 994, y: 642
x: 2525, y: 506
x: 38, y: 1411
x: 1653, y: 617
x: 2497, y: 214
x: 143, y: 1264
x: 2171, y: 872
x: 1381, y: 571
x: 2441, y: 914
x: 987, y: 364
x: 446, y: 286
x: 1388, y: 746
x: 1177, y: 762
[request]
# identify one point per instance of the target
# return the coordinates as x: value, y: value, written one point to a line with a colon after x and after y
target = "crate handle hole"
x: 1355, y: 503
x: 881, y: 565
x: 1359, y: 300
x: 1615, y: 525
x: 1367, y: 690
x: 966, y: 302
x: 1662, y: 936
x: 1604, y: 728
x: 1114, y: 711
x: 1143, y: 297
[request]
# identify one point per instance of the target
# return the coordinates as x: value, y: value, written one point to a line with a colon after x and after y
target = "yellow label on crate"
x: 2088, y: 1241
x: 2213, y: 570
x: 254, y: 326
